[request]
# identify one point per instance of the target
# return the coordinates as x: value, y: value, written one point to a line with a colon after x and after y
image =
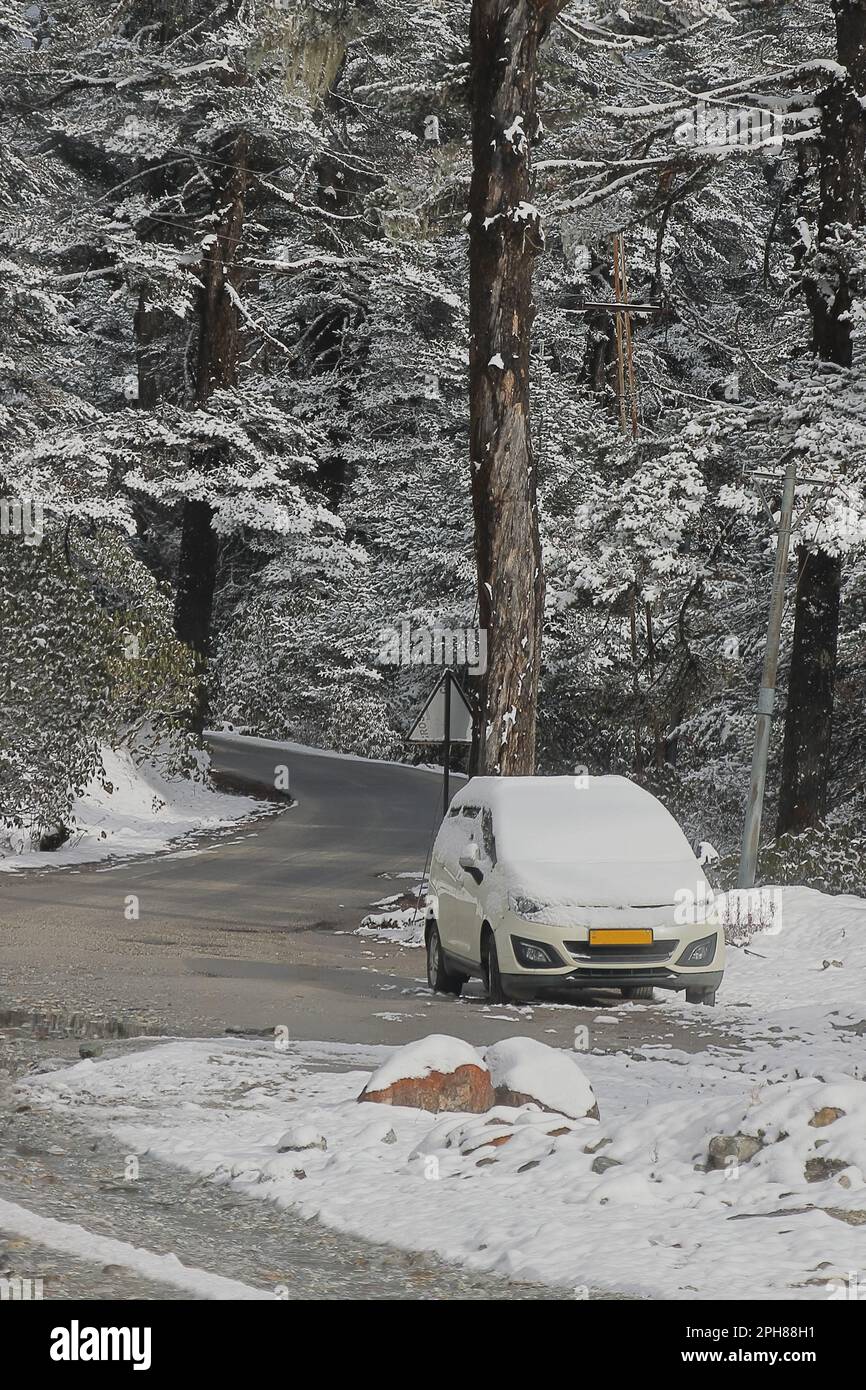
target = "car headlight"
x: 523, y: 906
x: 534, y: 955
x: 700, y: 952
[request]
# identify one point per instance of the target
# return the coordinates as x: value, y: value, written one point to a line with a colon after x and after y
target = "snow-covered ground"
x: 398, y: 918
x: 73, y: 1240
x: 625, y: 1203
x: 133, y: 809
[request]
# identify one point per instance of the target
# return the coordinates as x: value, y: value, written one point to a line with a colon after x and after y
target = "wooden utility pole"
x: 504, y: 237
x: 628, y: 406
x: 623, y: 312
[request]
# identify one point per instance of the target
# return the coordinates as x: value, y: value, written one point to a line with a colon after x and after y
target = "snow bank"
x: 810, y: 965
x: 398, y: 919
x: 82, y: 1244
x: 132, y: 809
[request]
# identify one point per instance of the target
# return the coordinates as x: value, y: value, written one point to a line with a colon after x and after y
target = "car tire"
x: 496, y: 993
x: 439, y: 977
x: 707, y: 997
x: 638, y: 992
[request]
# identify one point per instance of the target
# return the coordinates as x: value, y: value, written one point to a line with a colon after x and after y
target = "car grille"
x: 654, y: 950
x: 639, y: 975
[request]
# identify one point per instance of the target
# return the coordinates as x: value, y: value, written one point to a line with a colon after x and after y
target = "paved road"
x: 254, y: 928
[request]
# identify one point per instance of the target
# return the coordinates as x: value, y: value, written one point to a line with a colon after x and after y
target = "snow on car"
x: 559, y: 882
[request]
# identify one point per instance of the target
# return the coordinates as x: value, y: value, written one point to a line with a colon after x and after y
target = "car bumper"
x: 593, y: 978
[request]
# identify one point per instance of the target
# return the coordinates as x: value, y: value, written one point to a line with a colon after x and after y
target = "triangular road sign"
x: 429, y: 727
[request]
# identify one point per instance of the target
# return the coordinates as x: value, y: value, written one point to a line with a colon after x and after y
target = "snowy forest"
x: 235, y: 345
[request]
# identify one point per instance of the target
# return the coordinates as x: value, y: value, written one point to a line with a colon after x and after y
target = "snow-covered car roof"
x: 600, y: 819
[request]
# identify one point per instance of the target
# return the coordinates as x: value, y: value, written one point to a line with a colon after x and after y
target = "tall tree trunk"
x: 505, y: 236
x: 811, y: 683
x: 216, y: 368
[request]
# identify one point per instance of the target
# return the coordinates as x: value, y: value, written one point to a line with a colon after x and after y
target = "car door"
x: 446, y: 879
x: 464, y: 904
x: 486, y: 839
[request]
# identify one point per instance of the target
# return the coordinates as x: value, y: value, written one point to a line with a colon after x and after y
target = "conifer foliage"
x: 238, y: 333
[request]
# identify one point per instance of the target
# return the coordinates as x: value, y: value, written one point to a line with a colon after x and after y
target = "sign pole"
x: 447, y: 718
x: 447, y: 749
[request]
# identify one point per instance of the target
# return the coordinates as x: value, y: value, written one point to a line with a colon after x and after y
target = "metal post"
x: 446, y: 760
x: 767, y: 693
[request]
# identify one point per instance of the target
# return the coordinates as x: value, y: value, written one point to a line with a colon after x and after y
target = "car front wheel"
x: 439, y: 977
x: 496, y: 994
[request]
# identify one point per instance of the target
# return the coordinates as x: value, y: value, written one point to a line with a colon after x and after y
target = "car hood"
x: 608, y: 890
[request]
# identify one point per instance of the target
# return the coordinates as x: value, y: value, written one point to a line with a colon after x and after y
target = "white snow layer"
x: 85, y: 1245
x: 437, y: 1052
x: 132, y: 809
x: 547, y: 1074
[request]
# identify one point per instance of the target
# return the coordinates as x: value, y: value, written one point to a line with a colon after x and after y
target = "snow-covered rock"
x: 727, y: 1150
x: 517, y: 1140
x: 399, y: 918
x: 436, y: 1073
x: 525, y: 1071
x: 301, y: 1137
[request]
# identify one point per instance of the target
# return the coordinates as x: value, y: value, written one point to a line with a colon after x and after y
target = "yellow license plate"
x: 619, y: 936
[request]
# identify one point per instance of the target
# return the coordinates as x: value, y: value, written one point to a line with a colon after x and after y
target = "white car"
x: 568, y: 882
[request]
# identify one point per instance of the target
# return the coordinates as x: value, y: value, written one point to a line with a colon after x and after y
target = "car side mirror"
x: 469, y: 861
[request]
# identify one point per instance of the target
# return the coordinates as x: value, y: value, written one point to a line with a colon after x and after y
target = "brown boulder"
x: 727, y: 1150
x: 827, y: 1115
x: 467, y: 1088
x: 436, y: 1074
x: 820, y: 1169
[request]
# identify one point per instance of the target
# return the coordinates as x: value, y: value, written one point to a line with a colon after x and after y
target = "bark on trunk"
x: 809, y: 717
x: 216, y: 368
x: 505, y: 236
x: 805, y: 757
